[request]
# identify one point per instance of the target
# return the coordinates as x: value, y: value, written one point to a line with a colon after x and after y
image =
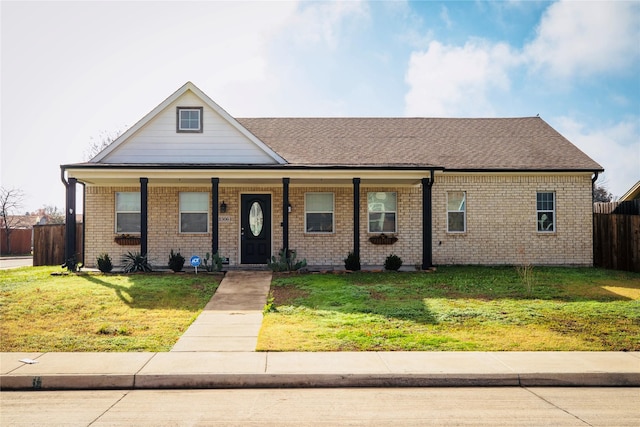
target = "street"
x: 15, y: 262
x: 507, y: 406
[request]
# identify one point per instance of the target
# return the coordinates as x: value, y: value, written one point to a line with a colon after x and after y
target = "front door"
x: 255, y: 228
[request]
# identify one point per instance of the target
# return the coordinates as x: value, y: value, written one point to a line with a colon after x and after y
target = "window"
x: 189, y: 119
x: 546, y: 210
x: 128, y: 212
x: 318, y: 208
x: 456, y: 211
x: 194, y: 212
x: 382, y: 212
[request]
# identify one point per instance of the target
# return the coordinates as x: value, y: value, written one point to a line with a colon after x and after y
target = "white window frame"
x: 181, y: 110
x: 180, y: 212
x: 461, y: 209
x: 332, y: 212
x: 124, y: 212
x: 369, y: 212
x: 542, y: 212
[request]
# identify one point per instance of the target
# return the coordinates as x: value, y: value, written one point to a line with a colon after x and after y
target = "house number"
x: 225, y: 218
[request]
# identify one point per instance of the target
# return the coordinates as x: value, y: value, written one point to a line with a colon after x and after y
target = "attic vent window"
x: 189, y: 119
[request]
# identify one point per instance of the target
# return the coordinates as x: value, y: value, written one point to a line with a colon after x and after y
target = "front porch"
x: 352, y: 223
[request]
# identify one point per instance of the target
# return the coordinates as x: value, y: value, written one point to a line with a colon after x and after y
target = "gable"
x: 156, y: 139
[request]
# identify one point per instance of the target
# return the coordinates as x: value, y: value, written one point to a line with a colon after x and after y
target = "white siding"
x: 158, y: 141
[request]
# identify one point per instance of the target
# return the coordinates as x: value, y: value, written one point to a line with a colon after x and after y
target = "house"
x: 632, y: 194
x: 190, y: 177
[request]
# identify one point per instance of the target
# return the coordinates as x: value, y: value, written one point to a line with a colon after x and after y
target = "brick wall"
x: 501, y: 220
x: 501, y: 223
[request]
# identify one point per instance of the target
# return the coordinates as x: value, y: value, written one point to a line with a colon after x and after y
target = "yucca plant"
x: 135, y: 261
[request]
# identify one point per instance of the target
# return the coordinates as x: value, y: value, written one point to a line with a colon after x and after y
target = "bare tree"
x: 600, y: 192
x: 10, y: 201
x: 104, y: 140
x: 51, y: 214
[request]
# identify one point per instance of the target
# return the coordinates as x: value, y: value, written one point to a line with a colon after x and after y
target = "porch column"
x: 285, y: 215
x: 356, y: 217
x: 70, y: 221
x: 427, y: 236
x: 143, y: 215
x: 214, y: 215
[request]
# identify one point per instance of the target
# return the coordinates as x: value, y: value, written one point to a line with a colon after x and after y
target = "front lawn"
x: 98, y: 312
x: 455, y: 308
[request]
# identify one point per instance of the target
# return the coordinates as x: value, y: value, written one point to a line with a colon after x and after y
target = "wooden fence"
x: 20, y: 241
x: 616, y: 241
x: 630, y: 207
x: 48, y: 244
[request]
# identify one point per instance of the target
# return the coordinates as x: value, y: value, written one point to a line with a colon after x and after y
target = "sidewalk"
x: 191, y: 370
x: 217, y: 351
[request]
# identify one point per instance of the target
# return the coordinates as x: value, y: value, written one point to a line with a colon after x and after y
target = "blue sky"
x: 73, y: 70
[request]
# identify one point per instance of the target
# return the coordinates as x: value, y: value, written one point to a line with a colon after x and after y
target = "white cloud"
x: 444, y: 15
x: 616, y: 148
x: 324, y: 22
x: 452, y: 80
x: 586, y: 37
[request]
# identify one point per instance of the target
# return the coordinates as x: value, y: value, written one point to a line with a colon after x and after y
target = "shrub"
x: 72, y: 265
x: 352, y: 262
x: 216, y: 262
x: 176, y: 261
x: 286, y: 263
x: 392, y: 263
x: 135, y: 261
x: 104, y: 263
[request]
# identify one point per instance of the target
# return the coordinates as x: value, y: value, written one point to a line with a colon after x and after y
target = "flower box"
x: 383, y: 240
x: 127, y: 240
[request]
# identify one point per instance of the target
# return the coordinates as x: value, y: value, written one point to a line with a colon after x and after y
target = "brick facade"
x: 500, y: 210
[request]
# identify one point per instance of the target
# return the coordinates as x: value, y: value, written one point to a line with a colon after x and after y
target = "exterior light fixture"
x: 223, y: 207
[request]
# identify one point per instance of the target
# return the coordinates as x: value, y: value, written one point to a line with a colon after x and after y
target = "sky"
x: 71, y: 72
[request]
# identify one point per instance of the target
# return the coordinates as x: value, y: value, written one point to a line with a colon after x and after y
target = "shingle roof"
x: 469, y: 144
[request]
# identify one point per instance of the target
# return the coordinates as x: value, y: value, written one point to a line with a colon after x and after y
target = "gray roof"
x: 467, y: 144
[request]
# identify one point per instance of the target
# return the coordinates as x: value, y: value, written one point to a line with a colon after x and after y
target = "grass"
x: 98, y: 312
x: 456, y: 308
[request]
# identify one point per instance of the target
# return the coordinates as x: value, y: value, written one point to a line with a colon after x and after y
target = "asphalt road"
x: 508, y: 406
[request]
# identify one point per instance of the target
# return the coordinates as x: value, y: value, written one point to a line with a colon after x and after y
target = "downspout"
x: 84, y: 213
x: 593, y: 226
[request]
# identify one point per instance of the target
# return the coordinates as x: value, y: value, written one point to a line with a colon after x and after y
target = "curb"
x: 201, y: 370
x: 231, y: 381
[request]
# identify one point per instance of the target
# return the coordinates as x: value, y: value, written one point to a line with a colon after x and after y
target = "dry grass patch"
x: 98, y: 312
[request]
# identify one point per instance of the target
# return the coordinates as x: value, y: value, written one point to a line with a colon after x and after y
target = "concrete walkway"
x: 232, y: 319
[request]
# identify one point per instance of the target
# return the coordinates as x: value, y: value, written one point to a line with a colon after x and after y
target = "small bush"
x: 104, y: 263
x: 352, y: 262
x: 135, y: 261
x: 393, y: 263
x: 285, y: 263
x: 72, y: 265
x: 176, y: 261
x: 216, y: 262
